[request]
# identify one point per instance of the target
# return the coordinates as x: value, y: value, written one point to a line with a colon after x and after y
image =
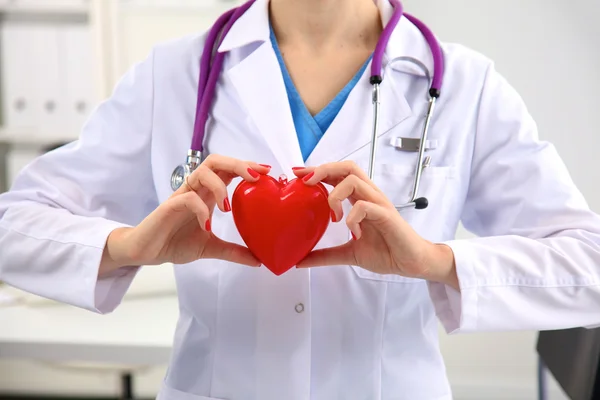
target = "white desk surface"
x: 138, y: 332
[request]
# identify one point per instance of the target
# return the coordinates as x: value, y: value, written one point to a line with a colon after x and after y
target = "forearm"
x: 441, y: 266
x: 512, y: 282
x: 55, y: 254
x: 115, y: 254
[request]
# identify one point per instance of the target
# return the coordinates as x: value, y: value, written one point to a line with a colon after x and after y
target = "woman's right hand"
x: 179, y: 230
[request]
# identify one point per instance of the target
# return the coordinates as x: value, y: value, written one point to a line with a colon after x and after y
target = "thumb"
x: 219, y: 249
x: 338, y: 255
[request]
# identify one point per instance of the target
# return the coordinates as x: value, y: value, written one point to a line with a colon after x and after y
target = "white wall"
x: 549, y: 51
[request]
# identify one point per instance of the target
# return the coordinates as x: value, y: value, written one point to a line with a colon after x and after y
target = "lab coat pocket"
x: 396, y: 181
x: 168, y: 393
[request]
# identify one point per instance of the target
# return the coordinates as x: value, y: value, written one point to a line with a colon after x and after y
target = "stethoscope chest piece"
x: 183, y: 171
x: 179, y: 175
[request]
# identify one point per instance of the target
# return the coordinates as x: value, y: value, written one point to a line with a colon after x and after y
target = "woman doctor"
x: 294, y: 92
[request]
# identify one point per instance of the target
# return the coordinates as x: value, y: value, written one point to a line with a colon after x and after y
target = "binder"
x: 31, y: 77
x: 19, y: 100
x: 45, y: 5
x: 77, y: 76
x: 51, y: 107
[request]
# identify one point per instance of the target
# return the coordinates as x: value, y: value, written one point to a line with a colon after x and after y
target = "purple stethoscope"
x: 212, y: 61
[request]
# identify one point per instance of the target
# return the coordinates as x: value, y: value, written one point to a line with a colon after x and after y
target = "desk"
x: 138, y: 333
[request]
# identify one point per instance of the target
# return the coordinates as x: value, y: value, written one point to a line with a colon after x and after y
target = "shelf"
x: 30, y: 137
x: 44, y: 7
x: 176, y: 5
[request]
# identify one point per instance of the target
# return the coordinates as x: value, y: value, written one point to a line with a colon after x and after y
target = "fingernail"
x: 333, y: 216
x: 297, y: 168
x: 265, y: 165
x: 227, y: 205
x: 307, y: 177
x: 353, y: 235
x: 207, y: 225
x: 253, y: 173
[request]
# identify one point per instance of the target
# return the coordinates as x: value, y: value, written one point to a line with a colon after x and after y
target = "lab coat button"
x: 299, y: 308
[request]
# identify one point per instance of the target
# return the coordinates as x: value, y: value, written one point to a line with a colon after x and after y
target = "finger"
x: 227, y: 177
x: 354, y: 189
x: 260, y: 168
x: 339, y: 255
x: 249, y: 171
x: 334, y: 173
x: 228, y: 168
x: 205, y: 178
x: 301, y: 172
x: 219, y: 249
x: 192, y: 202
x: 362, y: 211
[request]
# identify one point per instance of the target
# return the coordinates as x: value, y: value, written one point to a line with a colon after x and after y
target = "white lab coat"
x: 360, y: 335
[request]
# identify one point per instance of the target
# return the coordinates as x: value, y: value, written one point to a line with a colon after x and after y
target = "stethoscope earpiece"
x: 421, y: 203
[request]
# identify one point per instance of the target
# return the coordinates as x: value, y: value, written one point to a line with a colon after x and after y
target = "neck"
x: 323, y: 24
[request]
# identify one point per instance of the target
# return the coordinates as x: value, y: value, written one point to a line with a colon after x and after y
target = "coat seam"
x: 47, y: 239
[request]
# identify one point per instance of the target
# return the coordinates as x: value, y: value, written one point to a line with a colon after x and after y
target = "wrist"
x: 442, y: 266
x: 115, y: 255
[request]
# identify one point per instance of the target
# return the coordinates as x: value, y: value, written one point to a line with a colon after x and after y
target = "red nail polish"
x: 265, y: 165
x: 207, y: 225
x: 353, y: 235
x: 307, y: 177
x: 297, y: 168
x: 253, y: 173
x: 227, y: 205
x: 333, y: 217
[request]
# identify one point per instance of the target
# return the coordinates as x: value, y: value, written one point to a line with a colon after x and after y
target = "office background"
x: 59, y: 58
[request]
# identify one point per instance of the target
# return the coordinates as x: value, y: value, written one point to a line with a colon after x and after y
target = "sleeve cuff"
x: 63, y: 256
x: 457, y: 311
x: 110, y: 289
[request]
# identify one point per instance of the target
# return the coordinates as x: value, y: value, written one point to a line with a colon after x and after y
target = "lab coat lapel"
x: 352, y: 128
x: 258, y: 81
x: 259, y: 84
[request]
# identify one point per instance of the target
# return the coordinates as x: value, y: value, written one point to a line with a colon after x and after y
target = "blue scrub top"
x: 308, y: 128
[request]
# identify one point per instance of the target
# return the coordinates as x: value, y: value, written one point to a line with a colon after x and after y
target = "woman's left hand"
x: 384, y: 242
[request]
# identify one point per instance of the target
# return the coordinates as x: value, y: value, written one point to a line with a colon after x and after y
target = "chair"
x: 572, y: 356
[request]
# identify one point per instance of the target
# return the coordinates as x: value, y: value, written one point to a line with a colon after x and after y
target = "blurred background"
x: 59, y: 58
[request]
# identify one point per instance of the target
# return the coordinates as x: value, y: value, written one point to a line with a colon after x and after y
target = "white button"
x: 299, y: 308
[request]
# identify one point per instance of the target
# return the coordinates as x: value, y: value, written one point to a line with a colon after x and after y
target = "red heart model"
x: 280, y: 221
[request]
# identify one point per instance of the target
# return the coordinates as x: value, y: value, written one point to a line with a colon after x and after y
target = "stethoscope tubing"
x: 211, y: 64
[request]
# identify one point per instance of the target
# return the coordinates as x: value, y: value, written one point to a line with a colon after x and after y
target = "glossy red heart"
x: 281, y: 222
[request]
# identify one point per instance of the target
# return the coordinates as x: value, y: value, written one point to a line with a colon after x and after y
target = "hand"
x: 179, y: 230
x: 384, y: 242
